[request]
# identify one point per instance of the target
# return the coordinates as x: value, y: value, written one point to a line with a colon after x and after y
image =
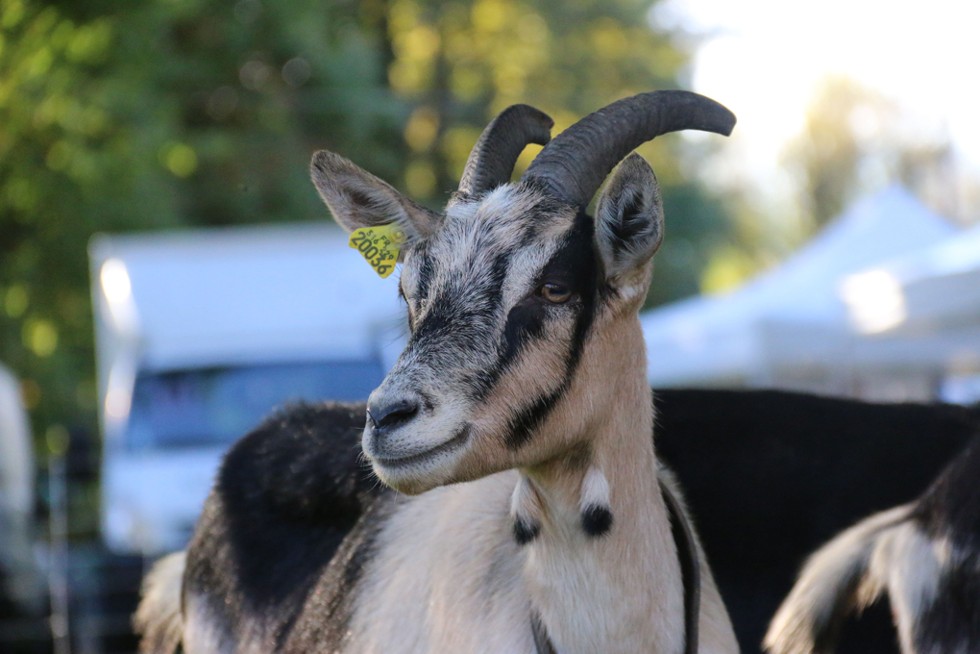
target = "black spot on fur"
x: 525, y: 324
x: 597, y: 520
x: 458, y: 316
x: 525, y: 532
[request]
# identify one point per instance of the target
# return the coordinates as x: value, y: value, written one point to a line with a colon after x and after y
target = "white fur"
x: 158, y: 617
x: 595, y: 489
x: 204, y: 631
x: 908, y: 565
x: 525, y: 504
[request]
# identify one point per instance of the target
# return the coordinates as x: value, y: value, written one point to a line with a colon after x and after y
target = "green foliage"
x: 855, y: 139
x: 157, y: 114
x: 151, y: 115
x: 697, y: 229
x: 461, y: 62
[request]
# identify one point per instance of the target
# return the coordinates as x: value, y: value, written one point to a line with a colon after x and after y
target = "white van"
x: 199, y: 335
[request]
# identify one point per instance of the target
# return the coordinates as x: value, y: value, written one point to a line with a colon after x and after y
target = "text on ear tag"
x: 379, y: 245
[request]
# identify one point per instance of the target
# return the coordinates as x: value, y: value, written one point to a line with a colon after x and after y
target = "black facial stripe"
x: 424, y: 274
x: 444, y: 319
x: 577, y: 265
x: 525, y: 323
x: 531, y: 229
x: 523, y: 423
x: 525, y: 532
x: 574, y: 264
x: 462, y: 316
x: 488, y: 296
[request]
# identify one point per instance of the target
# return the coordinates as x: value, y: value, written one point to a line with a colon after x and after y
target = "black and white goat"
x: 518, y: 419
x: 924, y: 556
x: 771, y: 476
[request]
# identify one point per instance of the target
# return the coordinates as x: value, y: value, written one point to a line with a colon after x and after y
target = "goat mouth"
x: 458, y: 440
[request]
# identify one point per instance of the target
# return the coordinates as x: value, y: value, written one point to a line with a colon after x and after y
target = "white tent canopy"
x: 790, y: 318
x: 920, y: 314
x: 935, y: 287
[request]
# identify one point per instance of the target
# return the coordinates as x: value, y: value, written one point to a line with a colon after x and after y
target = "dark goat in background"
x: 925, y: 556
x: 770, y: 476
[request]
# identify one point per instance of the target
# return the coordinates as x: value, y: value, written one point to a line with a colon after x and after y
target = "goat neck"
x: 601, y: 536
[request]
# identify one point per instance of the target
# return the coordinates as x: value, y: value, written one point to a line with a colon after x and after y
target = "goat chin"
x: 158, y: 617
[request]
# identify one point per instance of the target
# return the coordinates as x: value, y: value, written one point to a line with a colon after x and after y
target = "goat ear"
x: 629, y: 218
x: 356, y: 198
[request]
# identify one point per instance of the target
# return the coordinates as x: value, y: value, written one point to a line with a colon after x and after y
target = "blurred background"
x: 156, y: 221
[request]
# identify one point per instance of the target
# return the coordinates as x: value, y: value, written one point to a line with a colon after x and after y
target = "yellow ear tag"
x: 379, y: 245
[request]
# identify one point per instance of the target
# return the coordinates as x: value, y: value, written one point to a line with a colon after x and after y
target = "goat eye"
x: 555, y: 293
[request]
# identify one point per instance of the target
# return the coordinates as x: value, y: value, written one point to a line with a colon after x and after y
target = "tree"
x: 156, y: 115
x: 151, y: 116
x: 460, y: 63
x: 855, y: 139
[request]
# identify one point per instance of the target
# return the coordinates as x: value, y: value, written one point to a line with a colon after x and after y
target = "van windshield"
x: 216, y: 406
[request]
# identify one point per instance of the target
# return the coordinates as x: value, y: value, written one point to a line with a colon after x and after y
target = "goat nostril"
x: 394, y: 414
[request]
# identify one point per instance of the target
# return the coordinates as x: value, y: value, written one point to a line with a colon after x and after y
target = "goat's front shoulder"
x: 287, y: 494
x: 440, y: 558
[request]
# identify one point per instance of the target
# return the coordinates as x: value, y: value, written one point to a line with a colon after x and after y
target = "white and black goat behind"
x: 516, y: 424
x: 924, y: 556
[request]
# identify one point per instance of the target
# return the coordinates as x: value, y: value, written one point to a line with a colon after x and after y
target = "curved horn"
x: 491, y: 162
x: 573, y: 165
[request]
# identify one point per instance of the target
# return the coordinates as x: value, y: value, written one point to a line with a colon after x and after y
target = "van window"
x: 216, y: 406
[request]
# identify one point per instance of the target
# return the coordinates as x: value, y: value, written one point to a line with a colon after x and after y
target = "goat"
x: 533, y: 512
x: 925, y: 556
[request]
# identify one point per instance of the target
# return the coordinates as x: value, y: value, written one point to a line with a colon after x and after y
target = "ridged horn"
x: 575, y: 163
x: 491, y: 161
